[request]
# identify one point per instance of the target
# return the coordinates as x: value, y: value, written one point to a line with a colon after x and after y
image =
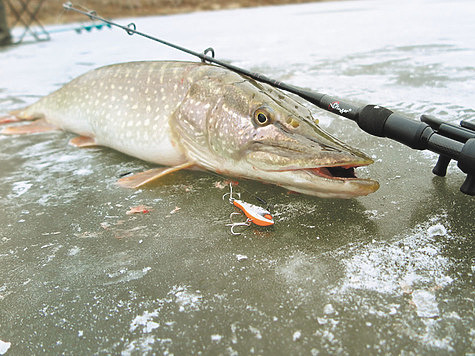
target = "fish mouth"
x: 314, y: 165
x: 335, y: 172
x: 328, y: 182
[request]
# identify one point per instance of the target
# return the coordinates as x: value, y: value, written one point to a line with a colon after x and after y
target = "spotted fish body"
x: 186, y: 114
x: 126, y: 107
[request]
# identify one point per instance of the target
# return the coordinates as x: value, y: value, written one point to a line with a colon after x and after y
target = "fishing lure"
x: 255, y: 214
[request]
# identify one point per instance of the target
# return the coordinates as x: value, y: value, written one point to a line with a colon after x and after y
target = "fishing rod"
x: 450, y: 142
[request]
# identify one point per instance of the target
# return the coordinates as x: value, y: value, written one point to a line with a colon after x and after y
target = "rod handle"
x: 382, y: 122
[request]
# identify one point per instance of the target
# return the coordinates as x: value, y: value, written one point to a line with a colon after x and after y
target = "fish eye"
x: 262, y: 117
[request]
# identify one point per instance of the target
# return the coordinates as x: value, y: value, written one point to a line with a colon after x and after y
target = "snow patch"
x: 145, y: 320
x: 256, y: 332
x: 398, y: 266
x: 4, y: 346
x: 425, y: 303
x: 328, y: 309
x: 216, y: 337
x: 73, y: 251
x: 409, y: 268
x: 437, y: 230
x: 241, y: 257
x: 140, y: 346
x: 186, y: 300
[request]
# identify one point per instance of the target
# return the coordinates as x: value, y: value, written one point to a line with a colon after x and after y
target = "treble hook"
x: 233, y: 224
x: 237, y: 224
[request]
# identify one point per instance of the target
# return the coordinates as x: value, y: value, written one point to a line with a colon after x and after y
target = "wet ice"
x: 392, y: 273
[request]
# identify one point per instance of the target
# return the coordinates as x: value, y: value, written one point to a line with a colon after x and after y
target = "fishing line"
x: 229, y: 179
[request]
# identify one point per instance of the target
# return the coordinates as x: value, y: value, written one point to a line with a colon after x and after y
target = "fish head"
x: 255, y: 131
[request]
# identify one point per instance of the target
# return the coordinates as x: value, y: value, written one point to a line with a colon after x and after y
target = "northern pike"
x: 194, y: 115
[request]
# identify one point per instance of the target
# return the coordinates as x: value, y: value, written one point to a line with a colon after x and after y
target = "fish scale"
x: 195, y: 115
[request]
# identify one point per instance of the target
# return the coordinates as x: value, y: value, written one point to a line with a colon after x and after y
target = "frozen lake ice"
x: 388, y: 273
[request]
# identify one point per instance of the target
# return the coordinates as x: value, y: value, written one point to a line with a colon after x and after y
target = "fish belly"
x: 124, y: 106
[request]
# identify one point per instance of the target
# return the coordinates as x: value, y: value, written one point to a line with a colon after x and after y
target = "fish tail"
x: 38, y: 123
x: 17, y: 116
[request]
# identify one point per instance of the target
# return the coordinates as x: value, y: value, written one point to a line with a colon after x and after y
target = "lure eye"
x: 262, y: 117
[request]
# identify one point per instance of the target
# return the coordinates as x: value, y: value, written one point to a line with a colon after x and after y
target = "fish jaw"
x: 317, y: 182
x: 344, y: 188
x: 323, y: 182
x: 329, y: 174
x: 317, y: 165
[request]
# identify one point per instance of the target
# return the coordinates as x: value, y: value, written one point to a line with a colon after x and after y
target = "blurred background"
x: 51, y: 11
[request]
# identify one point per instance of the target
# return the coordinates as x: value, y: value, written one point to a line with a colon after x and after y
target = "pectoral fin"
x: 142, y: 178
x: 83, y: 141
x: 35, y: 127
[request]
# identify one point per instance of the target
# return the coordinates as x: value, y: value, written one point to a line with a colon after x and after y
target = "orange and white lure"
x: 255, y: 214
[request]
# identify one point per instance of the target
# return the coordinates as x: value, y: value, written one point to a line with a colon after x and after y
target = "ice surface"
x: 405, y: 263
x: 391, y: 273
